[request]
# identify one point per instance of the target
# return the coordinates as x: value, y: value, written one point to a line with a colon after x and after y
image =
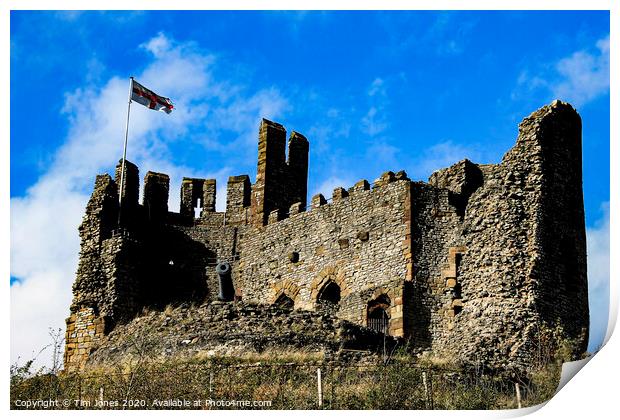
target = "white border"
x: 312, y: 5
x: 592, y: 395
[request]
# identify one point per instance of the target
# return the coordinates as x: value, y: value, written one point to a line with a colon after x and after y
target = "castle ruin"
x: 470, y: 263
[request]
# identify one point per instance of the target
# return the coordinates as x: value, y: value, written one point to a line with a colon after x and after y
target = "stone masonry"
x: 469, y: 265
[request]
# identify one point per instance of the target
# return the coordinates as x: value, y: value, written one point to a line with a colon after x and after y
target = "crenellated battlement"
x: 281, y: 181
x: 463, y: 265
x: 339, y: 195
x: 197, y: 193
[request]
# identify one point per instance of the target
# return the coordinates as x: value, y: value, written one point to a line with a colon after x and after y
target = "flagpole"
x: 121, y: 188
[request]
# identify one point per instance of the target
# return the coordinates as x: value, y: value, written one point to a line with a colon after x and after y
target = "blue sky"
x: 372, y: 91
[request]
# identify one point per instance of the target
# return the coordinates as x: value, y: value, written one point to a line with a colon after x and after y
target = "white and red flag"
x: 150, y: 99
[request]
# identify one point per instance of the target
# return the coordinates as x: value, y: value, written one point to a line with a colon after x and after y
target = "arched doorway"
x: 328, y: 298
x: 329, y: 294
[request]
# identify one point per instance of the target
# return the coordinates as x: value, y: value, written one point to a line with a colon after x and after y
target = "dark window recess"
x: 330, y: 293
x: 457, y: 262
x: 362, y: 236
x: 283, y: 301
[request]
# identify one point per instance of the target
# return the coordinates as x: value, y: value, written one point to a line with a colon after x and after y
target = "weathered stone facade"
x: 468, y: 265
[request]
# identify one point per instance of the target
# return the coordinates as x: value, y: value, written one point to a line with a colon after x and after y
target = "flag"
x: 150, y: 99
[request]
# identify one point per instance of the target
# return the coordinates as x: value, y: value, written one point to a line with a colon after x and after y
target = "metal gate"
x: 378, y: 320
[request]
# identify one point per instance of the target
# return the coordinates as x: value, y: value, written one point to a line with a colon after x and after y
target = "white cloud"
x: 450, y: 33
x: 579, y: 78
x: 377, y: 87
x: 158, y: 46
x: 375, y: 120
x: 44, y: 221
x: 374, y: 123
x: 598, y: 278
x: 384, y: 153
x: 242, y: 113
x: 441, y: 155
x: 584, y: 75
x: 327, y: 187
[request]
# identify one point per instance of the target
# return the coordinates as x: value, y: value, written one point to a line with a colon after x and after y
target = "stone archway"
x: 287, y: 288
x: 284, y: 301
x: 329, y: 293
x: 322, y: 283
x: 329, y: 274
x: 390, y: 299
x: 378, y: 313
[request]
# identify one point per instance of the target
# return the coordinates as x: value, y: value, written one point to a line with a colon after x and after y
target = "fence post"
x: 79, y: 391
x: 210, y: 384
x: 518, y: 390
x: 331, y: 387
x: 428, y: 385
x: 101, y: 396
x: 426, y: 393
x: 319, y: 386
x: 430, y: 382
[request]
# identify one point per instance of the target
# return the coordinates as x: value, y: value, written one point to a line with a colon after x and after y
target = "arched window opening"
x: 198, y: 208
x: 285, y: 302
x: 330, y: 294
x: 378, y: 314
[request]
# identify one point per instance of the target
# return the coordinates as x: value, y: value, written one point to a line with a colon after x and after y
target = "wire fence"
x: 276, y: 386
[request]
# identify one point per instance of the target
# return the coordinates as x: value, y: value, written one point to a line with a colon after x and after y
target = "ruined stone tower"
x: 469, y: 264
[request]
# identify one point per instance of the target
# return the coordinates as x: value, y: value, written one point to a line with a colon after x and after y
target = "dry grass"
x: 289, y: 380
x: 290, y: 385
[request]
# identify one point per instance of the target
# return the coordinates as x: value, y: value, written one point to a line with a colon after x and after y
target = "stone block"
x: 396, y: 323
x: 296, y: 208
x: 360, y: 186
x: 318, y: 200
x: 274, y: 217
x: 339, y: 193
x: 401, y: 175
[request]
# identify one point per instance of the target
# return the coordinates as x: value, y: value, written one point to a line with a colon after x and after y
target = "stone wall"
x: 85, y: 330
x: 435, y: 233
x: 97, y: 225
x: 548, y: 150
x: 358, y: 241
x: 491, y: 245
x: 198, y: 249
x: 238, y: 200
